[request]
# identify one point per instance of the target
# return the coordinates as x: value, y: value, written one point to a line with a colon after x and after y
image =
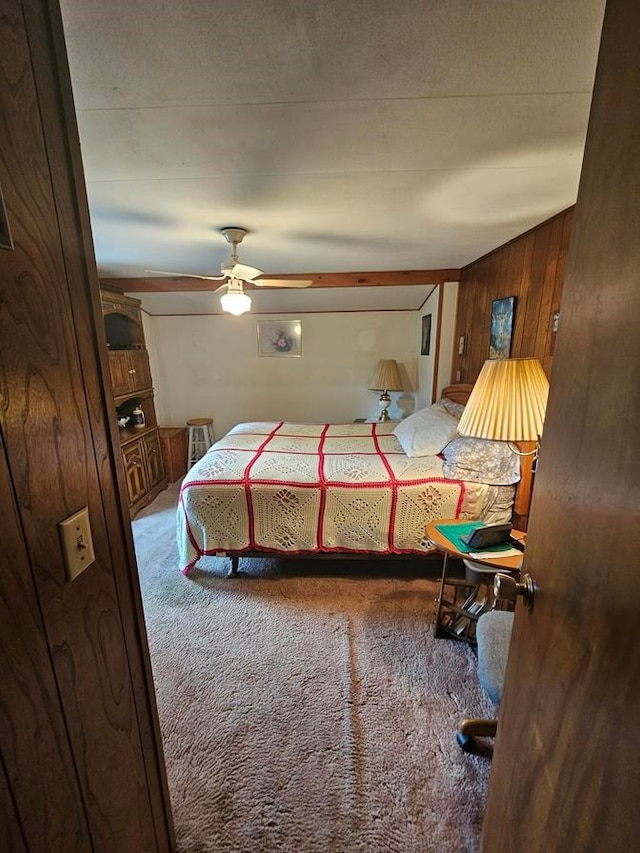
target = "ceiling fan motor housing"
x: 233, y: 235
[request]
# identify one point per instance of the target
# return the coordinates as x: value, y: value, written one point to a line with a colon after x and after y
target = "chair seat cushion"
x: 493, y: 634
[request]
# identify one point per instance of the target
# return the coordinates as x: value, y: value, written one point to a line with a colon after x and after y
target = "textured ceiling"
x: 363, y: 135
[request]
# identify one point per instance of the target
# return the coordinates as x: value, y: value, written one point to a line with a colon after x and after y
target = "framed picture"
x: 5, y: 234
x: 425, y: 345
x: 280, y: 338
x: 502, y: 311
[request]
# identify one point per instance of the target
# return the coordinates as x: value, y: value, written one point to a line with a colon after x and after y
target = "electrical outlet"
x: 77, y: 544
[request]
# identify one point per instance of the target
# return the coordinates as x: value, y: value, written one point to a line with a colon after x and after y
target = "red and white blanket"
x: 309, y: 488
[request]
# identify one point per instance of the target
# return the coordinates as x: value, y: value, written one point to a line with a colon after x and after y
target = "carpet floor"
x: 305, y: 705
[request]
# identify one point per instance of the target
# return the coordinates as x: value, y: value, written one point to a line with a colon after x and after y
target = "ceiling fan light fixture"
x: 235, y: 302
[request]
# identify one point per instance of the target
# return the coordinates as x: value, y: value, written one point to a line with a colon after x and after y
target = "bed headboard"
x: 460, y: 394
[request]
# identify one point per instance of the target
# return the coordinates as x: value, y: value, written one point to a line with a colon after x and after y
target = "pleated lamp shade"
x: 386, y: 377
x: 508, y: 401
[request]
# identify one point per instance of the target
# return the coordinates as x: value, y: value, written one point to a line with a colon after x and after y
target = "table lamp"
x: 508, y: 403
x: 386, y: 378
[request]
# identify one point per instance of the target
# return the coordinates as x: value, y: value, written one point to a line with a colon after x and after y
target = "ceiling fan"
x: 235, y: 300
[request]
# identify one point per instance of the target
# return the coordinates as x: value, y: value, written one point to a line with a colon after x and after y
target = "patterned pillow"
x: 480, y: 460
x: 426, y: 432
x: 455, y: 409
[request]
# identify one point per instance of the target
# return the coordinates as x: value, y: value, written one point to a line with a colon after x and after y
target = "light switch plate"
x: 77, y: 544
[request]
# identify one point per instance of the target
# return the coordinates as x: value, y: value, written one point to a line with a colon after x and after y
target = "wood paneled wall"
x: 81, y: 764
x: 531, y: 268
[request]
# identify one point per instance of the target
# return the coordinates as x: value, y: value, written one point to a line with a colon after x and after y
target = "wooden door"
x: 139, y: 364
x: 81, y: 764
x: 120, y: 369
x: 565, y: 774
x: 32, y: 731
x: 153, y: 458
x: 134, y: 469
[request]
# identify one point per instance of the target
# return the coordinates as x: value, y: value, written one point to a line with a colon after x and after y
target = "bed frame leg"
x: 233, y: 571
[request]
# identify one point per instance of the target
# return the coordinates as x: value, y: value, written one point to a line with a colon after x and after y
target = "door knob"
x: 507, y: 588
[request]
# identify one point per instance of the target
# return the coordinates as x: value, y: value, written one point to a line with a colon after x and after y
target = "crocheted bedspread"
x: 309, y: 488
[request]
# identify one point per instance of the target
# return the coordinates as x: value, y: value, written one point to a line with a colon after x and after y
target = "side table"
x: 375, y: 421
x: 462, y: 602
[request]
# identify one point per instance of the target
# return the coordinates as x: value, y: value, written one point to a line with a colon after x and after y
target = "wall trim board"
x: 446, y: 353
x: 428, y: 297
x: 384, y: 278
x: 436, y: 360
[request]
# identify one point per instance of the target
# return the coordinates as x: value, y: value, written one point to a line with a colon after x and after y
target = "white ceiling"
x: 345, y: 136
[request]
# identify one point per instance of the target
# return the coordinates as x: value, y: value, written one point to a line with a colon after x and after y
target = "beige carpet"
x: 306, y: 706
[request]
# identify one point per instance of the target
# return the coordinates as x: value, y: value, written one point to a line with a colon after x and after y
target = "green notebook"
x: 453, y: 532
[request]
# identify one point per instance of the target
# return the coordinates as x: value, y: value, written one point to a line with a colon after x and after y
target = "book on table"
x: 459, y: 533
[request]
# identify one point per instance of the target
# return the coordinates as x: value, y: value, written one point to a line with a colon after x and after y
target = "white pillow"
x: 426, y: 432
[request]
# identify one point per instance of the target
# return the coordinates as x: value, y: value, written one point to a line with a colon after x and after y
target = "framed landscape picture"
x: 280, y: 338
x: 426, y: 335
x: 502, y: 311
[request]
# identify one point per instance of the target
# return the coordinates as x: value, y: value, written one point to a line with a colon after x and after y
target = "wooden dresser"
x: 133, y: 389
x: 173, y: 441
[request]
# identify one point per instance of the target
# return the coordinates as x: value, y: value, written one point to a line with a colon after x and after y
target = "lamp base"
x: 384, y: 402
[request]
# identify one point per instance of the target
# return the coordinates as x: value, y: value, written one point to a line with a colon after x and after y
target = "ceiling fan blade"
x: 222, y: 287
x: 245, y: 272
x: 282, y: 282
x: 186, y: 275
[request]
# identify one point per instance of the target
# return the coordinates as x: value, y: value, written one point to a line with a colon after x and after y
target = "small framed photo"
x: 502, y: 311
x: 425, y: 345
x: 280, y: 338
x: 5, y: 234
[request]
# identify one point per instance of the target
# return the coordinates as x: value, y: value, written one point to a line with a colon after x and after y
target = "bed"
x: 311, y: 489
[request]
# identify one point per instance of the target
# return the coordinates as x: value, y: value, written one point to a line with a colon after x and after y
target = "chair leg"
x: 478, y: 727
x: 191, y: 451
x: 469, y: 729
x: 466, y: 742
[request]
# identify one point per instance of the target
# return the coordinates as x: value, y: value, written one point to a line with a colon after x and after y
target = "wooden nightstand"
x: 461, y: 602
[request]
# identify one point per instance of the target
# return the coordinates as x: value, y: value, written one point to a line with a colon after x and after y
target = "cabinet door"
x: 119, y: 367
x: 153, y: 456
x: 139, y: 363
x: 135, y: 471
